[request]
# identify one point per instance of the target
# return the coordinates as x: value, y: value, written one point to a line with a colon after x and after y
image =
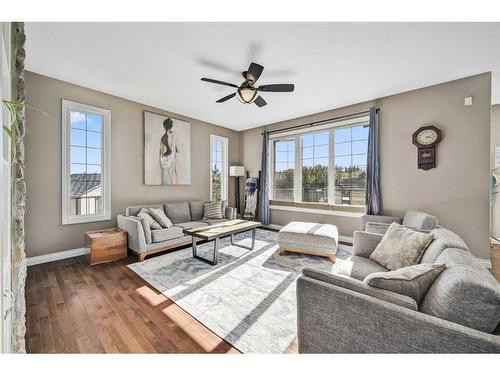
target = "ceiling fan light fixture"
x: 247, y: 95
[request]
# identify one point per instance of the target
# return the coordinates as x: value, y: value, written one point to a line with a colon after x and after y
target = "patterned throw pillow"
x: 412, y: 281
x: 148, y: 219
x: 213, y: 210
x: 160, y: 217
x: 400, y: 247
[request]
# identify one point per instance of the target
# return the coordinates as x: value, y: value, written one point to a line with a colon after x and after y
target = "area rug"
x: 248, y: 298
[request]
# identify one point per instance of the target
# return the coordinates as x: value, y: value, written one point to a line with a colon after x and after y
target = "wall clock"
x: 426, y: 139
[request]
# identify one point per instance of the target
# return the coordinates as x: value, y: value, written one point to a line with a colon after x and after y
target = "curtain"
x: 372, y: 167
x: 264, y: 212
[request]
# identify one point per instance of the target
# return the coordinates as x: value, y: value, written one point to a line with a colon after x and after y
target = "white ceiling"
x: 331, y: 64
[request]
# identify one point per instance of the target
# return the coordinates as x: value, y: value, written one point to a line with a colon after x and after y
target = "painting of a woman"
x: 167, y: 150
x: 168, y: 155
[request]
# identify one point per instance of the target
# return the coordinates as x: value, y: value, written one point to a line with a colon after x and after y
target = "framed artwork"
x: 167, y: 150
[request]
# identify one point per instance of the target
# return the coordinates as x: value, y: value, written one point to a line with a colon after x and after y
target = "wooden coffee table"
x: 216, y: 231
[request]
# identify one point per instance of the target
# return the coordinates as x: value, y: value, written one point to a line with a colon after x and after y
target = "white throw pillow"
x: 400, y: 247
x: 148, y: 219
x: 160, y: 217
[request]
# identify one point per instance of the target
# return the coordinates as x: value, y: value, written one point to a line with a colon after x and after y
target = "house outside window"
x: 326, y: 166
x: 86, y: 150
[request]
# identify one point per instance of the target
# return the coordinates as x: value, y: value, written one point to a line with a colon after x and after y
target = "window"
x: 350, y: 149
x: 284, y: 164
x: 326, y: 166
x: 218, y: 167
x: 314, y: 152
x: 86, y: 150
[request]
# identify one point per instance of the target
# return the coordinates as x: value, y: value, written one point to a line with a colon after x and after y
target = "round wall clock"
x: 426, y: 139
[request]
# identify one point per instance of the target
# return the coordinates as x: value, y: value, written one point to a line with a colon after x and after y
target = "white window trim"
x: 225, y: 162
x: 296, y: 135
x: 67, y: 218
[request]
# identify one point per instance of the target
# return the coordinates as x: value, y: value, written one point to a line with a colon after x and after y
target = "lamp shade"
x: 236, y: 171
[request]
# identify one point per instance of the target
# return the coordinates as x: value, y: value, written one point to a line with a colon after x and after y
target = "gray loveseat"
x: 184, y: 215
x: 338, y: 313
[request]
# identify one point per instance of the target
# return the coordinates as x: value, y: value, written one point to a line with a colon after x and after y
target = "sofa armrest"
x: 379, y: 228
x: 360, y: 287
x: 364, y: 243
x: 332, y: 319
x: 231, y: 213
x: 136, y: 237
x: 365, y: 219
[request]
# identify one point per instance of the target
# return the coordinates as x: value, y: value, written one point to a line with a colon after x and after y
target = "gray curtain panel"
x: 264, y: 212
x: 372, y: 167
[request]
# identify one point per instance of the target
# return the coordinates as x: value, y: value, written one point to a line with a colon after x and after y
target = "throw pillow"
x: 412, y: 281
x: 400, y: 247
x: 213, y: 210
x: 223, y: 209
x: 148, y: 219
x: 160, y: 217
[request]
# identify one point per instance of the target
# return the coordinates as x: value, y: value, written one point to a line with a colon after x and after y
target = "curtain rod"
x: 312, y: 124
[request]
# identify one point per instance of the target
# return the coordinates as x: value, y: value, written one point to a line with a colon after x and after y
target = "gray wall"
x: 456, y: 191
x: 495, y: 140
x: 44, y: 232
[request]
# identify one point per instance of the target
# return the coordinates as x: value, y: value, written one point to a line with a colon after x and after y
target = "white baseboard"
x: 52, y: 257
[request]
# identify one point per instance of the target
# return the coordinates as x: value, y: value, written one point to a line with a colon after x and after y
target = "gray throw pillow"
x: 148, y: 219
x: 212, y: 210
x: 400, y: 247
x: 412, y: 281
x: 160, y: 217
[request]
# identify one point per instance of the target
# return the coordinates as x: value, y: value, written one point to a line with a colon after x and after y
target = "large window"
x: 326, y: 166
x: 218, y: 167
x: 86, y: 163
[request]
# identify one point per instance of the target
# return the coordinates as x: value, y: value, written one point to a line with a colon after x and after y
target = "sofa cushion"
x: 443, y: 239
x: 160, y: 217
x: 360, y: 287
x: 165, y: 234
x: 465, y: 293
x: 400, y: 247
x: 357, y: 267
x: 146, y: 228
x: 148, y: 219
x: 134, y: 210
x: 212, y: 210
x: 412, y: 281
x: 196, y: 208
x: 178, y: 212
x: 191, y: 224
x: 419, y: 220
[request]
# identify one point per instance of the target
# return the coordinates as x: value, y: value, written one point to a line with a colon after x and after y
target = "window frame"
x: 296, y: 136
x: 67, y: 218
x: 225, y: 166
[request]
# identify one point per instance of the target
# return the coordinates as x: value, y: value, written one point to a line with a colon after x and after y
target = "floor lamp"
x: 237, y: 172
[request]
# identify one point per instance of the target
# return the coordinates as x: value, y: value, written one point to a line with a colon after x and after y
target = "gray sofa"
x: 412, y: 219
x: 460, y: 313
x: 145, y: 241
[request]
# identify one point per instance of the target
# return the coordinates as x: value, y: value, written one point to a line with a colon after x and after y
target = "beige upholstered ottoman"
x: 309, y: 238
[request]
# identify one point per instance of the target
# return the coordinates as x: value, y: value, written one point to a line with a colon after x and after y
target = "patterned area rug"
x: 248, y: 298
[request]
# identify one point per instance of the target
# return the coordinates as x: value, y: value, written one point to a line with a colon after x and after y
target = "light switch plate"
x: 467, y: 101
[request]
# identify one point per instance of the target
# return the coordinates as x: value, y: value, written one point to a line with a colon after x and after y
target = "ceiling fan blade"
x: 254, y: 72
x: 219, y: 82
x: 221, y: 100
x: 244, y: 74
x: 277, y: 88
x: 259, y: 101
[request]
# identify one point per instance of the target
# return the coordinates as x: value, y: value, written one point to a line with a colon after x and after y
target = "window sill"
x: 85, y: 219
x: 320, y: 211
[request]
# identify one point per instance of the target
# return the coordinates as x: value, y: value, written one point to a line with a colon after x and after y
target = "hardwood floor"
x: 75, y: 308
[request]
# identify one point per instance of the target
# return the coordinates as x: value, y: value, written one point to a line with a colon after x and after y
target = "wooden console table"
x: 106, y: 245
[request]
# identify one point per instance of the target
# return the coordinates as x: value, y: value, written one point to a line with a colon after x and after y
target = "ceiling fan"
x: 247, y: 92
